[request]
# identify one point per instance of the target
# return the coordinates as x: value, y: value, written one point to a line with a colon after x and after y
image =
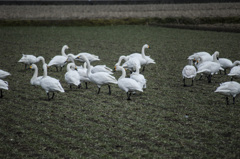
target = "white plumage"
x: 139, y: 77
x: 231, y: 88
x: 209, y: 68
x: 99, y: 78
x: 72, y: 77
x: 50, y: 84
x: 189, y: 72
x: 4, y: 74
x: 90, y: 57
x: 28, y: 59
x: 3, y: 85
x: 127, y: 84
x: 59, y: 60
x: 234, y: 72
x: 35, y: 80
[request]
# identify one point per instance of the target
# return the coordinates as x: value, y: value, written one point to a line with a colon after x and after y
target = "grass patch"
x: 167, y: 120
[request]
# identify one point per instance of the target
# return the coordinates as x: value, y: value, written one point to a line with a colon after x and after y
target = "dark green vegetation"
x: 167, y: 120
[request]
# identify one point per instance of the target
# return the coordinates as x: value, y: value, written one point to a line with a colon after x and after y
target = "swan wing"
x: 58, y: 61
x: 4, y: 74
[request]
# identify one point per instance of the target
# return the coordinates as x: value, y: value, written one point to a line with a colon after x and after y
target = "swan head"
x: 216, y: 54
x: 65, y: 47
x: 33, y: 66
x: 146, y: 46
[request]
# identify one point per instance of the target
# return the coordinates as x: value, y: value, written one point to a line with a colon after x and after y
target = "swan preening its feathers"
x: 189, y: 71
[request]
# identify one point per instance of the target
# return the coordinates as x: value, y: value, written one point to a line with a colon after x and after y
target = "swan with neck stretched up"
x: 50, y: 84
x: 127, y: 84
x: 189, y: 72
x: 143, y: 59
x: 138, y: 77
x: 59, y: 60
x: 35, y: 80
x: 230, y: 88
x: 3, y: 85
x: 4, y: 74
x: 99, y: 78
x: 72, y: 77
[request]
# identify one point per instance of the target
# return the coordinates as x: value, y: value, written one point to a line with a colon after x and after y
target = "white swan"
x: 4, y: 74
x: 50, y: 84
x: 143, y: 59
x: 227, y: 64
x: 209, y: 68
x: 101, y: 68
x: 130, y: 61
x: 72, y: 77
x: 205, y: 56
x: 189, y: 71
x: 234, y: 72
x: 28, y: 60
x: 82, y: 71
x: 35, y: 80
x: 59, y: 60
x: 139, y: 77
x: 90, y: 57
x: 231, y: 88
x: 99, y: 78
x: 3, y: 85
x: 120, y: 60
x: 127, y: 84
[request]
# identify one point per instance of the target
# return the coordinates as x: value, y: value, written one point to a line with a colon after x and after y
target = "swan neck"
x: 44, y: 70
x: 88, y: 66
x: 35, y: 73
x: 123, y: 73
x: 63, y: 51
x: 143, y: 52
x: 120, y: 59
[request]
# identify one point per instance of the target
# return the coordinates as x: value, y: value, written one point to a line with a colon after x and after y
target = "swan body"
x: 227, y: 64
x: 189, y: 72
x: 90, y: 57
x: 50, y: 84
x: 59, y: 60
x: 72, y: 77
x: 101, y: 68
x: 3, y: 85
x: 143, y: 59
x: 234, y: 72
x: 127, y: 84
x: 231, y: 88
x: 205, y: 56
x: 28, y: 59
x: 139, y: 77
x: 35, y: 80
x: 210, y: 68
x: 132, y: 63
x: 4, y: 74
x: 99, y: 78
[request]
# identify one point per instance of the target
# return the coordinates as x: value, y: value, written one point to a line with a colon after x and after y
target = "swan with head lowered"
x: 127, y: 84
x: 99, y: 78
x: 50, y: 84
x: 4, y: 74
x: 209, y: 68
x: 227, y: 64
x: 90, y: 57
x: 138, y: 77
x: 72, y: 77
x: 235, y: 72
x: 59, y: 60
x: 129, y: 63
x: 35, y: 80
x: 231, y: 88
x: 189, y: 72
x: 28, y: 60
x: 3, y: 85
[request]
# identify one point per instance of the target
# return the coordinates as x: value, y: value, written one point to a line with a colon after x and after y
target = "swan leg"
x: 1, y: 94
x: 86, y: 85
x: 61, y: 68
x: 57, y: 68
x: 53, y: 95
x: 233, y: 100
x: 128, y: 94
x: 48, y: 95
x: 231, y: 78
x: 200, y: 77
x: 225, y: 71
x: 184, y: 82
x: 70, y: 86
x: 209, y: 78
x: 79, y: 86
x: 109, y: 88
x: 227, y: 100
x: 143, y: 69
x: 98, y: 90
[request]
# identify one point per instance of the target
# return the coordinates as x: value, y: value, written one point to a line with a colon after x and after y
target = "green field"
x: 167, y: 120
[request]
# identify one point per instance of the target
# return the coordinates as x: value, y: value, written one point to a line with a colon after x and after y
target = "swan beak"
x: 114, y: 69
x: 194, y: 60
x: 31, y: 66
x: 78, y: 57
x: 148, y: 47
x: 76, y: 68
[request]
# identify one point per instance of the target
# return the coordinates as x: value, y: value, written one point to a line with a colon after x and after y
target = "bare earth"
x: 58, y: 12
